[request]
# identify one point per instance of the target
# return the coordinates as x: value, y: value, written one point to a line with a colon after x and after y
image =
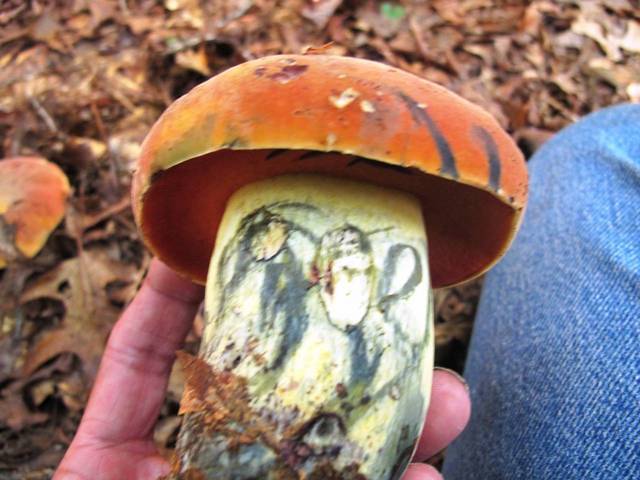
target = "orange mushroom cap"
x: 337, y: 116
x: 33, y: 193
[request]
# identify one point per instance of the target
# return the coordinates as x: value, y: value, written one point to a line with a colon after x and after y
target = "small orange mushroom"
x: 33, y: 194
x: 320, y: 180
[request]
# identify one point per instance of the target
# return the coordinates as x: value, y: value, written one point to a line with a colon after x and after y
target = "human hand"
x: 115, y: 437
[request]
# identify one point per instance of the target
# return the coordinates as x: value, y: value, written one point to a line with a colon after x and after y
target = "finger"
x: 448, y: 413
x: 131, y: 383
x: 419, y: 471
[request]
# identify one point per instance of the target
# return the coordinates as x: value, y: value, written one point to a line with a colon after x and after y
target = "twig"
x: 102, y: 131
x: 43, y: 114
x: 118, y: 207
x: 99, y: 123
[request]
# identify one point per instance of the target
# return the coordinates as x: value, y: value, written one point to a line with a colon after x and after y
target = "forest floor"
x: 81, y: 82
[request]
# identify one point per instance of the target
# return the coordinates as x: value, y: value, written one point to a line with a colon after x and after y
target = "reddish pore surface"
x: 467, y: 228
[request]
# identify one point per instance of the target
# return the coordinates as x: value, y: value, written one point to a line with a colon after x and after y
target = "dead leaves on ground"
x: 92, y: 287
x: 67, y: 314
x: 54, y: 331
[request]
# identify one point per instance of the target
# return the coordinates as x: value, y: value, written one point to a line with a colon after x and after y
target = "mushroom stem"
x: 316, y: 357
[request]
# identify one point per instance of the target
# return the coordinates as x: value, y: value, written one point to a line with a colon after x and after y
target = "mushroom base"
x: 316, y: 358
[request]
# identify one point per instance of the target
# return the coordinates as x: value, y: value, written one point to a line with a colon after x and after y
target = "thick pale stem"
x: 316, y: 358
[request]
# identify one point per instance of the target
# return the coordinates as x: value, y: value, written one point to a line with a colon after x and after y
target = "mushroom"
x: 33, y: 194
x: 316, y: 357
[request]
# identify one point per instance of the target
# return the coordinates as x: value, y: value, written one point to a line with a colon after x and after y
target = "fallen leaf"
x: 631, y: 40
x: 531, y: 19
x: 94, y: 148
x: 320, y: 11
x: 619, y: 76
x: 194, y: 59
x: 619, y: 6
x: 9, y: 12
x: 610, y: 43
x: 81, y: 284
x: 47, y: 29
x: 633, y: 90
x: 41, y: 390
x: 73, y: 391
x: 16, y: 415
x: 101, y: 10
x: 14, y: 412
x: 450, y: 10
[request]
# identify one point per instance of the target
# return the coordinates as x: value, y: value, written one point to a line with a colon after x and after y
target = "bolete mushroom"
x: 33, y: 195
x: 317, y: 353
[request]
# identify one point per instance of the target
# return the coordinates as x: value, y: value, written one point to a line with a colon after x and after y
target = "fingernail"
x: 455, y: 374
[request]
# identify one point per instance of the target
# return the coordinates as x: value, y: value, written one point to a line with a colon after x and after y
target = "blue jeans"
x: 554, y: 362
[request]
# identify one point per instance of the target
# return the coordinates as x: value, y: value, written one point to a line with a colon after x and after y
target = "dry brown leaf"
x: 16, y: 415
x: 620, y: 6
x: 10, y: 10
x: 481, y: 16
x: 102, y: 10
x: 595, y: 31
x: 320, y: 11
x: 47, y: 29
x: 141, y: 24
x: 633, y: 90
x: 25, y: 65
x: 631, y: 40
x: 566, y: 83
x: 619, y: 76
x: 81, y: 283
x: 14, y: 412
x: 532, y: 19
x: 41, y: 390
x: 73, y: 392
x: 450, y: 10
x: 81, y: 24
x: 194, y: 59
